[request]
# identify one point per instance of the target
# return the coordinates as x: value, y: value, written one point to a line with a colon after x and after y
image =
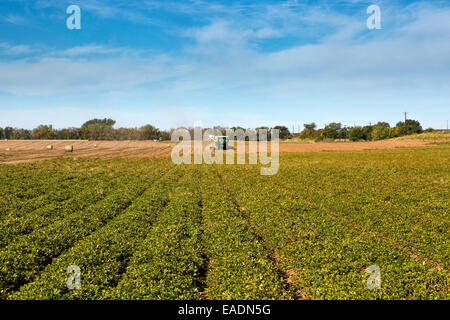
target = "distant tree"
x: 383, y: 124
x: 43, y: 132
x: 393, y: 132
x: 21, y: 134
x: 133, y: 134
x: 106, y: 122
x: 68, y: 134
x: 343, y: 133
x: 320, y: 135
x: 380, y: 132
x: 97, y: 131
x: 310, y: 126
x: 284, y: 132
x: 1, y: 133
x: 148, y: 132
x: 263, y: 129
x: 332, y: 130
x: 7, y: 132
x: 164, y: 135
x: 367, y: 132
x: 411, y: 127
x: 356, y: 134
x: 309, y: 132
x: 239, y: 133
x: 121, y: 134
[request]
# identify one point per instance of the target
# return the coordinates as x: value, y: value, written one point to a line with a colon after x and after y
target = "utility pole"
x: 405, y: 121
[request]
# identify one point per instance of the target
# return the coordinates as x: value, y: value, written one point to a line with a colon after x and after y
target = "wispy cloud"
x: 328, y: 58
x: 14, y: 19
x: 9, y: 49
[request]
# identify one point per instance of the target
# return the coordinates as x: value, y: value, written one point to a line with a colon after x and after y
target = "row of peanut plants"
x: 170, y: 262
x: 378, y: 199
x: 22, y: 260
x: 75, y: 198
x: 27, y: 187
x: 328, y: 253
x: 104, y: 255
x: 239, y: 266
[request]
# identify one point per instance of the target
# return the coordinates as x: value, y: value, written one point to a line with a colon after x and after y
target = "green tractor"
x: 221, y: 142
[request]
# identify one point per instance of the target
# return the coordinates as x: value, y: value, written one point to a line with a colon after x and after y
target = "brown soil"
x: 17, y: 151
x: 352, y: 146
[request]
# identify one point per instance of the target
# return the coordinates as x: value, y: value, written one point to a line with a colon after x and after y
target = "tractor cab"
x: 220, y: 142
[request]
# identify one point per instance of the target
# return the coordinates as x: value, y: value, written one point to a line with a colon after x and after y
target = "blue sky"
x: 247, y: 63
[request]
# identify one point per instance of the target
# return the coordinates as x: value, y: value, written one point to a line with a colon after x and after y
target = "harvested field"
x: 18, y: 151
x: 352, y: 146
x: 35, y: 150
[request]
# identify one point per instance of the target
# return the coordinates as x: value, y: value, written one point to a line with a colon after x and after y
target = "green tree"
x: 309, y: 132
x: 22, y: 134
x: 380, y: 133
x: 356, y: 134
x: 383, y: 124
x: 148, y: 132
x: 8, y: 132
x: 98, y: 131
x: 367, y: 132
x: 284, y: 131
x: 106, y: 122
x: 411, y: 127
x: 43, y: 132
x: 310, y: 126
x: 263, y: 129
x: 332, y: 130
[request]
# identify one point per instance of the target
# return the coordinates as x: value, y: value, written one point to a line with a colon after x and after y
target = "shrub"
x: 380, y: 133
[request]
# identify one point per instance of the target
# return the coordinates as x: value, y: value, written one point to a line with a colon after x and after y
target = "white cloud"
x: 9, y: 49
x: 14, y: 19
x: 224, y: 59
x: 350, y: 64
x: 89, y: 49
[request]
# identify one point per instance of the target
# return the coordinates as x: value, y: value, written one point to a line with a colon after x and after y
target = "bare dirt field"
x: 17, y: 151
x: 352, y: 146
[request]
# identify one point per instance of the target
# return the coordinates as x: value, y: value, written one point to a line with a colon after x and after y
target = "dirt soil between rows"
x: 19, y: 151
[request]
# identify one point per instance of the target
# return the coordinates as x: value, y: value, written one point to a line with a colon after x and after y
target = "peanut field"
x: 147, y: 229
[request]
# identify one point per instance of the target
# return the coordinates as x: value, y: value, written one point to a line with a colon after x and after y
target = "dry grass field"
x: 18, y: 151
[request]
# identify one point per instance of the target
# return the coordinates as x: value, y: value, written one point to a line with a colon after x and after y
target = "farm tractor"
x: 220, y: 142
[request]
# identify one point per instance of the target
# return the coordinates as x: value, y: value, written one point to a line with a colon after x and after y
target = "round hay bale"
x: 8, y: 149
x: 95, y: 146
x: 69, y: 148
x: 50, y: 147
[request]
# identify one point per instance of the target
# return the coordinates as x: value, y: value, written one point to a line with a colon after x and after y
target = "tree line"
x: 95, y: 129
x: 103, y: 129
x: 378, y: 131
